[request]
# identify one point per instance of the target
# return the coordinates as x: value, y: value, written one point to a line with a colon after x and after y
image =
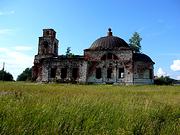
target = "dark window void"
x: 98, y: 73
x: 63, y: 73
x: 109, y: 73
x: 45, y: 43
x: 115, y: 57
x: 141, y: 75
x: 47, y: 33
x: 75, y: 73
x: 121, y: 72
x: 103, y: 57
x: 55, y: 49
x: 45, y: 47
x: 53, y: 72
x: 150, y: 74
x: 109, y: 56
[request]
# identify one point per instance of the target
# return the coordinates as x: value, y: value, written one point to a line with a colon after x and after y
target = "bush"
x: 164, y: 80
x: 5, y: 76
x: 26, y: 75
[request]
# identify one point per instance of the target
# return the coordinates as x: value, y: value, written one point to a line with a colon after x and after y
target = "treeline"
x: 5, y: 76
x: 26, y: 75
x: 164, y: 80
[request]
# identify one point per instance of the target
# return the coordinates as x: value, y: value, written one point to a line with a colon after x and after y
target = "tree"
x: 134, y: 42
x: 68, y: 52
x: 5, y: 76
x: 164, y: 80
x: 26, y: 75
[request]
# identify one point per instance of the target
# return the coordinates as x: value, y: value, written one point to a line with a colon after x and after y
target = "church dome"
x: 142, y: 57
x: 108, y: 42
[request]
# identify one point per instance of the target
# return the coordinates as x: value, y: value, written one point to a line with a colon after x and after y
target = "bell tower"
x: 47, y: 48
x: 48, y: 44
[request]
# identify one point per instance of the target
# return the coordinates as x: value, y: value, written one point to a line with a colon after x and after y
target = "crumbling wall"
x: 95, y: 61
x: 68, y: 64
x: 143, y: 72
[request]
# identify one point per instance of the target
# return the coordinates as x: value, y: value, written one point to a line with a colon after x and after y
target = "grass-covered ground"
x: 29, y: 108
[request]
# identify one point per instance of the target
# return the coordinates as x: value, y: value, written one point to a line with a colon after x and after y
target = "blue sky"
x: 79, y: 22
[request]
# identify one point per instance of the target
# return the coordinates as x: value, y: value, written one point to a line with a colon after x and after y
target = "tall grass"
x: 27, y: 108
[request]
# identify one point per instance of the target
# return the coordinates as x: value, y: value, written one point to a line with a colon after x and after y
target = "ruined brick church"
x: 109, y: 60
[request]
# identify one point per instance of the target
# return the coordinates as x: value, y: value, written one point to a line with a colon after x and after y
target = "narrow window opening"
x: 53, y: 72
x: 55, y: 48
x: 150, y: 74
x: 98, y: 73
x: 121, y: 72
x: 75, y: 73
x: 45, y: 43
x: 63, y: 73
x: 103, y: 57
x: 109, y: 73
x: 45, y: 47
x: 141, y: 75
x: 109, y: 56
x: 47, y: 33
x: 115, y: 57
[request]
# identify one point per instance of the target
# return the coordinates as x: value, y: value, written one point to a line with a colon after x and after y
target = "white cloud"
x: 178, y: 77
x: 23, y: 48
x: 15, y: 61
x: 161, y: 72
x: 5, y: 31
x: 7, y: 12
x: 3, y: 49
x: 176, y: 65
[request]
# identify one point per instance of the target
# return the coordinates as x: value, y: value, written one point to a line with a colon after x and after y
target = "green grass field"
x: 29, y: 108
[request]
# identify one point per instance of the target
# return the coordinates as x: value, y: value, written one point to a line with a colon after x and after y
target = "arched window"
x: 47, y: 33
x: 121, y: 72
x: 45, y: 47
x: 109, y: 56
x: 45, y: 44
x: 115, y: 57
x: 150, y: 73
x: 53, y: 72
x: 75, y: 73
x: 98, y: 73
x: 103, y: 57
x: 109, y: 73
x: 63, y: 73
x: 55, y: 48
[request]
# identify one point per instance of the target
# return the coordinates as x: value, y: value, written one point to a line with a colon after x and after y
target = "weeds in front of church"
x: 28, y: 108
